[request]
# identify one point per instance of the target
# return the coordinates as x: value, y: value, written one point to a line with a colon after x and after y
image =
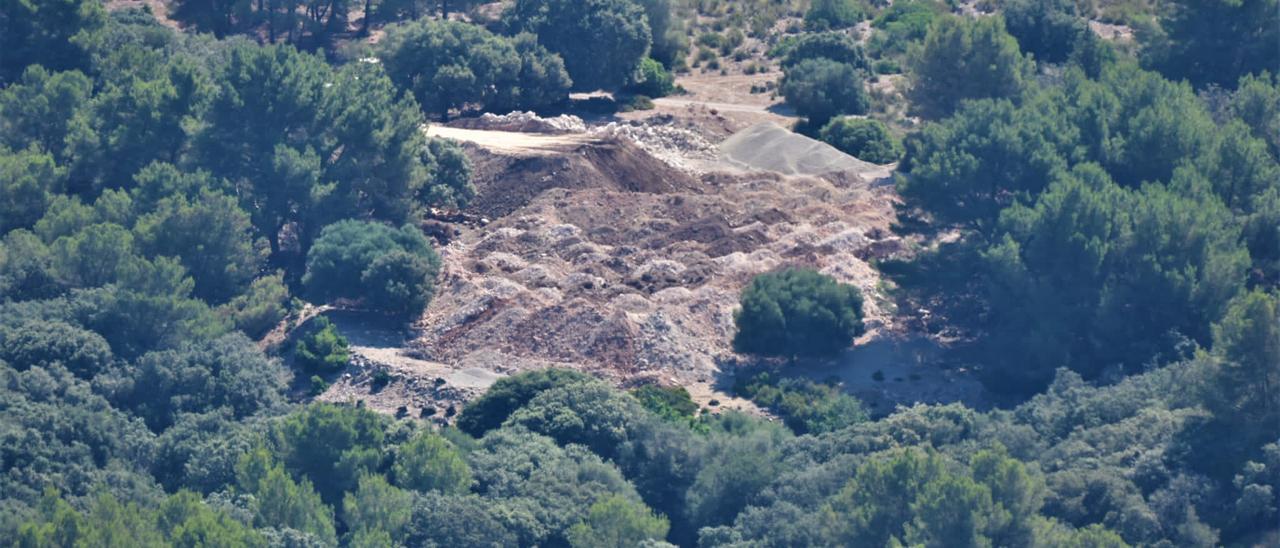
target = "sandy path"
x: 510, y: 142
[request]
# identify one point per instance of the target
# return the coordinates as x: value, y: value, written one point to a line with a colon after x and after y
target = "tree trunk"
x: 368, y: 12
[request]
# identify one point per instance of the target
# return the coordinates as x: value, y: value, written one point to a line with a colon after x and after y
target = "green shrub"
x: 964, y: 59
x: 864, y: 138
x: 836, y: 46
x: 260, y: 308
x: 322, y: 349
x: 821, y: 89
x: 391, y: 270
x: 806, y: 407
x: 797, y: 312
x: 833, y: 14
x: 672, y: 403
x: 652, y: 79
x: 511, y: 393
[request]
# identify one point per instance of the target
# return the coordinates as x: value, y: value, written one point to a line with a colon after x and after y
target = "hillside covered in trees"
x: 186, y: 187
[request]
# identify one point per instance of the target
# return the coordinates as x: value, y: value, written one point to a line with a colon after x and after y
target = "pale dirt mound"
x: 524, y: 122
x: 638, y: 285
x: 603, y: 258
x: 771, y: 147
x: 505, y: 182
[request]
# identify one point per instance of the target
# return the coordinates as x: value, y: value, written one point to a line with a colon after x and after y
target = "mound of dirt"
x: 771, y: 147
x: 506, y: 182
x: 630, y: 283
x: 602, y: 257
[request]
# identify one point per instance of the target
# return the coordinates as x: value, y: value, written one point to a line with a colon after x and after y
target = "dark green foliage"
x: 1211, y: 42
x: 47, y: 33
x: 863, y: 138
x: 311, y: 23
x: 652, y: 80
x: 261, y: 307
x: 1104, y: 215
x: 616, y: 521
x: 836, y: 46
x: 391, y: 270
x: 330, y: 446
x: 229, y: 373
x: 312, y: 145
x: 797, y: 313
x: 45, y: 343
x: 671, y: 403
x: 552, y: 486
x: 1094, y: 275
x: 901, y: 24
x: 1257, y: 103
x: 1247, y: 340
x: 28, y: 182
x: 912, y: 495
x: 805, y: 406
x: 429, y: 462
x: 376, y: 508
x: 59, y: 433
x: 321, y: 348
x: 587, y: 413
x: 469, y: 520
x: 279, y: 502
x: 1046, y: 29
x: 821, y: 89
x: 212, y: 237
x: 602, y: 41
x: 182, y: 519
x: 509, y: 394
x: 44, y: 109
x: 667, y: 30
x: 964, y: 59
x: 400, y: 283
x: 833, y: 14
x: 451, y: 65
x: 738, y: 467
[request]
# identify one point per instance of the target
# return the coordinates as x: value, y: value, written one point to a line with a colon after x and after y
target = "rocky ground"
x: 621, y: 250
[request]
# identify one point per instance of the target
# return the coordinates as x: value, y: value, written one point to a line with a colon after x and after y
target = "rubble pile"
x: 523, y: 122
x: 679, y: 147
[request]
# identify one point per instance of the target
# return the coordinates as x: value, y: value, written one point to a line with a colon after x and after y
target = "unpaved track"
x: 675, y: 102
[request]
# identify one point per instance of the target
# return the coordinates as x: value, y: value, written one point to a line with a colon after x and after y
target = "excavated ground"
x: 602, y: 258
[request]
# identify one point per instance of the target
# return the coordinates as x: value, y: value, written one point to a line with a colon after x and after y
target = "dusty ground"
x: 601, y: 257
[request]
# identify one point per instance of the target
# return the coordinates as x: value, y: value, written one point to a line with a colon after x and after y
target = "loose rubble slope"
x: 602, y: 258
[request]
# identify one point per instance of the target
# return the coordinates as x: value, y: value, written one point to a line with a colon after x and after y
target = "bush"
x: 836, y: 46
x: 963, y: 60
x: 797, y: 312
x: 821, y: 89
x: 1047, y: 29
x: 390, y: 270
x: 511, y: 393
x: 260, y: 308
x: 832, y: 14
x: 601, y: 41
x: 450, y: 64
x: 806, y: 407
x: 864, y: 138
x: 322, y: 349
x: 671, y: 403
x: 653, y: 80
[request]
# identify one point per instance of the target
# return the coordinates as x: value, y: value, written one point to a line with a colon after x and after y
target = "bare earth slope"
x: 603, y: 258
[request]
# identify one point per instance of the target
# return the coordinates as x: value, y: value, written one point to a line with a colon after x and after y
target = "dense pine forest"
x: 180, y: 182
